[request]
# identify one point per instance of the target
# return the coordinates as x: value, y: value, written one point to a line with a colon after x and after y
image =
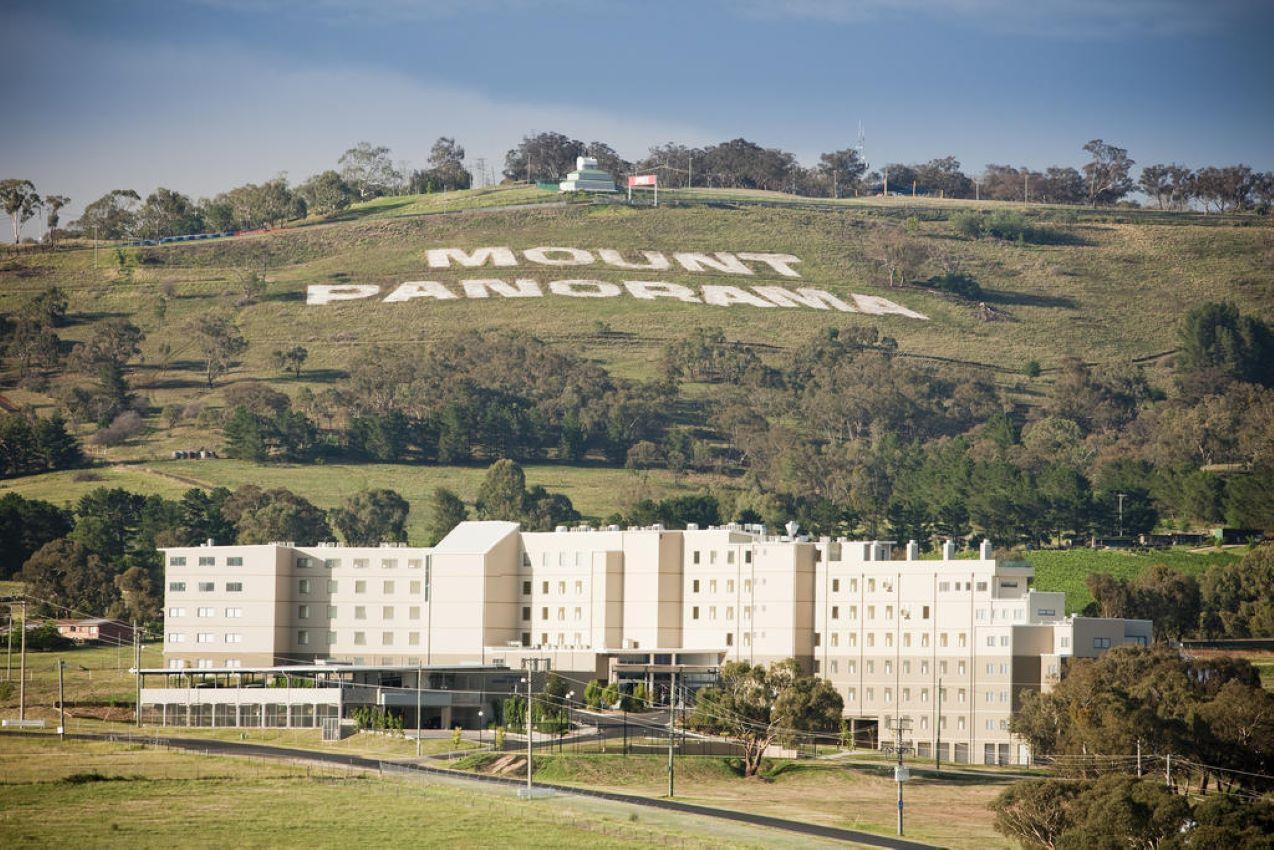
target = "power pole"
x: 1121, y: 496
x: 937, y: 731
x: 8, y: 661
x: 900, y: 772
x: 1138, y: 758
x: 22, y: 666
x: 530, y: 665
x: 417, y: 708
x: 1167, y: 771
x: 61, y: 703
x: 690, y: 170
x: 672, y: 706
x: 137, y: 666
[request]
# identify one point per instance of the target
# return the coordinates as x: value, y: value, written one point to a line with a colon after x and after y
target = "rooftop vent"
x: 560, y: 529
x: 692, y: 526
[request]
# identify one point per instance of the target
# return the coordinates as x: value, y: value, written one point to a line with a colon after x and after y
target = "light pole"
x: 481, y: 723
x: 569, y: 696
x: 1121, y: 497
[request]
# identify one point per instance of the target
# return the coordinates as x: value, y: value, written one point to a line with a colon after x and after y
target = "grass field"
x: 153, y: 798
x: 948, y: 811
x: 1066, y: 571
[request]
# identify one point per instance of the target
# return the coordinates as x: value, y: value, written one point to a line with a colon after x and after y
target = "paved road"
x: 345, y: 760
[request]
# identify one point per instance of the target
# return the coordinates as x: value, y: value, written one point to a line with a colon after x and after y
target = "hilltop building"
x: 950, y: 643
x: 587, y: 177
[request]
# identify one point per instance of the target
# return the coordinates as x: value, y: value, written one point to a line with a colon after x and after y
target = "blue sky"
x: 200, y: 95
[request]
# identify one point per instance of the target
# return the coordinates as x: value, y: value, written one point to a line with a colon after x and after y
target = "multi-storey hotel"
x: 949, y: 644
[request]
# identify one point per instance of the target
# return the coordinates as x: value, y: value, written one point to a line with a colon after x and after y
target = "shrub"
x: 957, y: 284
x: 1032, y: 368
x: 1009, y: 225
x: 123, y: 427
x: 967, y: 224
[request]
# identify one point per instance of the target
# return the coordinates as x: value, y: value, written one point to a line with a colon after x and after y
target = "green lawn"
x: 124, y: 796
x: 1066, y: 571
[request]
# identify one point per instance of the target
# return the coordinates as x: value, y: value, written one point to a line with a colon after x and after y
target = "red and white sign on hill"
x: 642, y: 181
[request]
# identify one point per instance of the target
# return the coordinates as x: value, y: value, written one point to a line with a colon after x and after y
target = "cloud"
x: 1065, y: 18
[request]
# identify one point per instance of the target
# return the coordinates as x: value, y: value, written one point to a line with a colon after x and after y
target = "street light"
x: 481, y: 714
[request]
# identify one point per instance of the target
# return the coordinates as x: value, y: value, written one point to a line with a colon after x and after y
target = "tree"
x: 1107, y: 172
x: 545, y: 156
x: 168, y: 213
x: 369, y: 170
x: 1035, y: 812
x: 219, y: 341
x: 262, y: 516
x: 20, y: 203
x: 446, y: 169
x: 326, y: 193
x: 842, y: 169
x: 111, y: 216
x: 943, y: 177
x: 502, y: 494
x: 53, y: 205
x: 1219, y: 344
x: 757, y: 705
x: 1168, y: 598
x: 67, y: 574
x: 246, y: 436
x: 25, y: 526
x: 291, y: 359
x: 372, y: 517
x: 446, y: 511
x: 1167, y: 185
x: 254, y: 205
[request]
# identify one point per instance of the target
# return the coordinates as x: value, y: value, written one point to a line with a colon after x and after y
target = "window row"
x: 177, y: 613
x: 711, y: 556
x: 303, y: 563
x: 306, y: 586
x: 546, y: 587
x: 887, y: 667
x: 205, y: 586
x: 304, y: 612
x: 886, y: 639
x: 206, y: 561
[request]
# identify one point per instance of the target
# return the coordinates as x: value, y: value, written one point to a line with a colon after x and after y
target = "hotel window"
x: 332, y: 563
x: 889, y: 694
x: 387, y: 612
x: 206, y: 587
x: 871, y: 638
x: 360, y: 563
x: 924, y: 639
x: 906, y: 639
x: 331, y: 586
x: 413, y: 638
x: 889, y: 638
x: 526, y: 588
x: 906, y: 667
x: 413, y: 588
x: 835, y: 585
x: 234, y: 561
x: 302, y: 563
x: 387, y: 587
x: 835, y: 612
x: 386, y: 638
x: 176, y: 637
x: 990, y: 640
x: 204, y: 663
x: 1004, y: 696
x: 561, y: 613
x: 694, y: 612
x: 695, y: 557
x: 729, y: 639
x: 303, y: 612
x: 360, y: 587
x: 981, y: 586
x: 360, y: 612
x: 871, y: 612
x: 331, y: 612
x: 360, y: 638
x: 960, y: 723
x: 961, y: 696
x: 579, y: 587
x: 579, y: 613
x: 990, y: 669
x: 1062, y: 641
x: 205, y: 612
x: 526, y: 612
x: 747, y: 585
x: 871, y: 585
x: 982, y: 615
x: 853, y: 612
x: 729, y: 585
x: 413, y: 613
x: 712, y: 557
x: 889, y: 612
x: 853, y: 585
x: 712, y: 586
x: 942, y: 639
x: 906, y: 694
x: 694, y: 586
x: 303, y: 637
x: 173, y: 613
x: 176, y: 561
x: 960, y: 669
x: 1101, y: 643
x: 205, y: 637
x: 1004, y: 640
x: 990, y: 696
x: 234, y: 587
x: 944, y: 586
x: 331, y: 638
x: 729, y: 557
x: 835, y: 638
x: 561, y: 587
x: 924, y: 612
x: 818, y: 639
x: 545, y: 587
x: 889, y: 668
x: 924, y: 667
x: 206, y: 561
x: 303, y: 585
x: 747, y: 556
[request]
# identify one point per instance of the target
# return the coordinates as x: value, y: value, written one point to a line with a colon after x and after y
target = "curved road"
x: 344, y: 760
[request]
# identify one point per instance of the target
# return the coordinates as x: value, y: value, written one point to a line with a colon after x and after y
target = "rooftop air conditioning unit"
x: 692, y: 526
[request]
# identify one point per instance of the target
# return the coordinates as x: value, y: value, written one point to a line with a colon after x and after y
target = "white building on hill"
x: 949, y: 643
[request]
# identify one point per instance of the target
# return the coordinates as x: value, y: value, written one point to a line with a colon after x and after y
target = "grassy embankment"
x: 98, y: 794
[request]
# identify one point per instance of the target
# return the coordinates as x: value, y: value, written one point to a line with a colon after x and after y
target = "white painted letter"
x: 440, y: 258
x: 321, y: 293
x: 814, y: 298
x: 724, y: 296
x: 724, y: 262
x: 877, y: 306
x: 655, y: 260
x: 584, y: 288
x: 574, y: 256
x: 648, y: 290
x: 781, y: 263
x: 523, y: 287
x: 419, y: 289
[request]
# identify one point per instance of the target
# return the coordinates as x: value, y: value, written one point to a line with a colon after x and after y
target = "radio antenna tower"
x: 862, y: 144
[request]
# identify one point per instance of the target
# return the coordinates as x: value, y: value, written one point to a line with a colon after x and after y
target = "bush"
x: 1032, y: 368
x: 122, y: 428
x: 1008, y: 225
x: 967, y: 224
x: 957, y: 284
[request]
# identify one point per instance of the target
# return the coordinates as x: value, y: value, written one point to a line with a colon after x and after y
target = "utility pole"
x: 137, y: 666
x: 1138, y: 758
x: 901, y: 774
x: 418, y: 708
x: 530, y: 665
x: 61, y: 703
x: 1167, y: 771
x: 22, y: 666
x: 886, y: 183
x: 690, y: 170
x: 937, y: 731
x: 1121, y: 496
x: 672, y: 705
x: 1025, y: 191
x: 8, y: 660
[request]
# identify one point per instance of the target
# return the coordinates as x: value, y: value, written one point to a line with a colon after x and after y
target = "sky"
x: 203, y: 95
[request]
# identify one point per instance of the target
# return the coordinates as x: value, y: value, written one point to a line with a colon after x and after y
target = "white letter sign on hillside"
x: 716, y: 263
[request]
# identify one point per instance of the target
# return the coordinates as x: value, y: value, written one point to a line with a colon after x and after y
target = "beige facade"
x: 895, y: 635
